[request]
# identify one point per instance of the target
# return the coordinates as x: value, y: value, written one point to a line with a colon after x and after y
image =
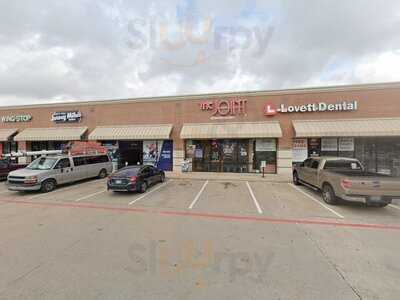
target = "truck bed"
x: 357, y: 173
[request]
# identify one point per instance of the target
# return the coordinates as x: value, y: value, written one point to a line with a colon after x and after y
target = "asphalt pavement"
x: 195, y: 239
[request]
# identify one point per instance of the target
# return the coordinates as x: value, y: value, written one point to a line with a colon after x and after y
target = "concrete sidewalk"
x: 229, y: 176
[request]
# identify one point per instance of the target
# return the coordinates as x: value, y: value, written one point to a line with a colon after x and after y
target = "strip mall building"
x: 235, y: 132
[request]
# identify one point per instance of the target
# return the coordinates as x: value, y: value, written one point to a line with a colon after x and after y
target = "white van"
x: 46, y: 172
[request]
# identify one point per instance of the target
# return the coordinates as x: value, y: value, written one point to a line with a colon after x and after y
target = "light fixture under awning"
x: 51, y: 134
x: 5, y: 134
x: 347, y: 128
x: 240, y: 130
x: 131, y: 132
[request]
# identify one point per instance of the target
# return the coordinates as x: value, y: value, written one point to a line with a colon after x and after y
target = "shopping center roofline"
x: 325, y: 89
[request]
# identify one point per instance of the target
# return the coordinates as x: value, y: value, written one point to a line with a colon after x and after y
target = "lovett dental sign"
x: 272, y: 110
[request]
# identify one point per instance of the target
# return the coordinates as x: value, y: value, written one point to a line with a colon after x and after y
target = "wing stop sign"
x: 271, y: 110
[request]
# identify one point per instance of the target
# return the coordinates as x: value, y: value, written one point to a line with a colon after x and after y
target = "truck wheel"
x: 328, y: 194
x: 102, y: 174
x: 296, y: 180
x: 48, y: 186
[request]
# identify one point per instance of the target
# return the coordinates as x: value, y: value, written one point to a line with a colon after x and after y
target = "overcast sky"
x: 54, y: 50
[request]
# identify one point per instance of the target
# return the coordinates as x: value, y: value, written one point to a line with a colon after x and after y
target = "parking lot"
x: 195, y: 239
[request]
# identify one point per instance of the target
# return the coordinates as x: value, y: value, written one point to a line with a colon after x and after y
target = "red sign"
x: 270, y: 110
x: 225, y: 107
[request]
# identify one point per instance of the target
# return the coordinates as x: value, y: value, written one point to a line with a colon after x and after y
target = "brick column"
x: 1, y: 148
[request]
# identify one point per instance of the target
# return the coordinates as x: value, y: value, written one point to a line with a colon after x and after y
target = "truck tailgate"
x: 369, y: 186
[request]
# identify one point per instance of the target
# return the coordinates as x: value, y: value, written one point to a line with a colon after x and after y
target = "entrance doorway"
x: 131, y: 152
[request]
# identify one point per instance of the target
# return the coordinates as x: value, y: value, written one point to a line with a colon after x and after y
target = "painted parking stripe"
x: 254, y: 198
x: 317, y: 201
x: 4, y: 192
x: 198, y: 195
x: 337, y: 224
x: 394, y: 206
x: 74, y: 186
x: 91, y: 195
x: 150, y: 192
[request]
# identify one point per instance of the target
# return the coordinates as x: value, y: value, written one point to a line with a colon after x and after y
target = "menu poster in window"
x: 314, y: 147
x: 264, y: 145
x: 329, y: 144
x: 346, y: 144
x: 198, y: 152
x: 228, y: 149
x: 299, y: 150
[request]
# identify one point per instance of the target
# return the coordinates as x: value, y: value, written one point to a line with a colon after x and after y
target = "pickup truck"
x: 345, y: 179
x: 6, y: 166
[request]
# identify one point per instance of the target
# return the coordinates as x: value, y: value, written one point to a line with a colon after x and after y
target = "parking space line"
x: 90, y: 195
x: 394, y: 206
x: 74, y: 186
x: 4, y: 192
x: 316, y: 200
x: 198, y: 195
x: 254, y: 198
x: 148, y: 193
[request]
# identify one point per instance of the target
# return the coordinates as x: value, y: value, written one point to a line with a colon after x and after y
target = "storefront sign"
x: 299, y: 150
x: 225, y: 108
x: 346, y: 144
x: 329, y: 144
x: 271, y: 110
x: 166, y: 156
x: 66, y: 117
x: 263, y: 145
x: 16, y: 118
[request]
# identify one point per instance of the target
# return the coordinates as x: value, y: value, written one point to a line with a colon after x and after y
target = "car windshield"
x: 128, y: 172
x: 343, y: 165
x: 42, y: 163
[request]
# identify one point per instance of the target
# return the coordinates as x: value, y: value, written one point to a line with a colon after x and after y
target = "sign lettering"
x: 66, y: 117
x: 225, y: 108
x: 272, y: 110
x: 16, y: 118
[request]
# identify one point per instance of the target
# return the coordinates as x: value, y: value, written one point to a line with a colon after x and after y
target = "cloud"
x: 84, y: 50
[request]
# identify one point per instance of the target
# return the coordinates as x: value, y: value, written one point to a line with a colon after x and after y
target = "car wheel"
x: 162, y: 177
x: 328, y: 194
x: 48, y: 186
x: 102, y: 174
x: 143, y: 187
x: 296, y: 180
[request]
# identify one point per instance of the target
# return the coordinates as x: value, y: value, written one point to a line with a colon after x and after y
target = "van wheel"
x: 162, y: 178
x: 48, y: 186
x: 328, y: 194
x: 296, y: 180
x: 102, y: 174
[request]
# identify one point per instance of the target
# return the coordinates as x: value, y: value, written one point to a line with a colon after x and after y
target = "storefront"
x: 232, y: 147
x: 57, y: 138
x: 375, y: 142
x: 232, y: 132
x: 140, y: 144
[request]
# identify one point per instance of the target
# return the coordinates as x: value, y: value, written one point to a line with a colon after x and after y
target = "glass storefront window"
x: 225, y: 155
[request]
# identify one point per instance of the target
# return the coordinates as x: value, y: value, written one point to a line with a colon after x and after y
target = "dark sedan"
x: 135, y: 178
